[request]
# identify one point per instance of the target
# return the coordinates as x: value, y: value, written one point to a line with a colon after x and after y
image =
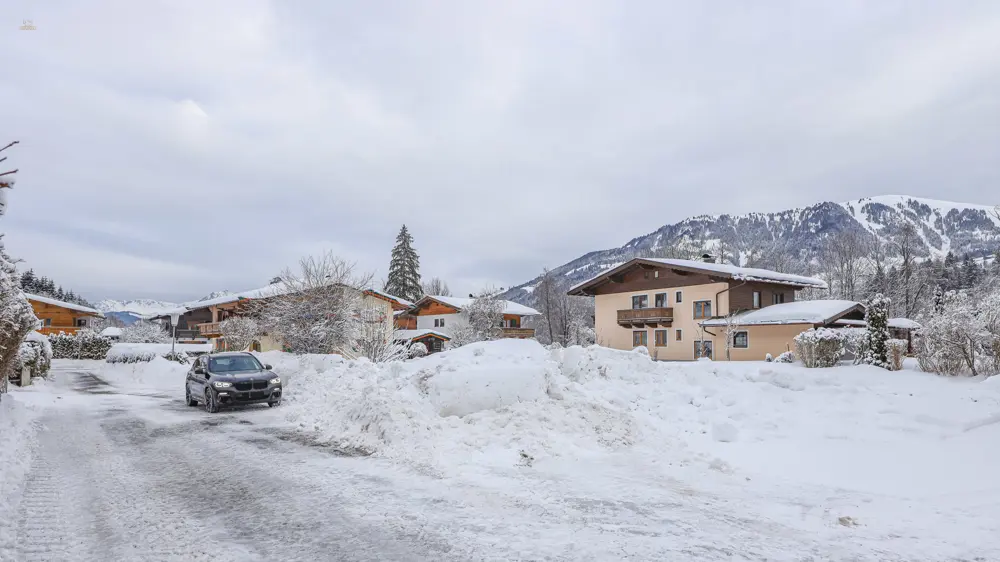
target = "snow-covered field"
x: 606, y: 455
x: 17, y: 437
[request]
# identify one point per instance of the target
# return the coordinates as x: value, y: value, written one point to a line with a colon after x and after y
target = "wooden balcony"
x: 518, y: 332
x: 209, y: 329
x: 660, y: 316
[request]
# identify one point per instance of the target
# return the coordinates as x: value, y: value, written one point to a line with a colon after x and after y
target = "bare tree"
x: 240, y: 332
x: 377, y: 339
x: 480, y: 320
x: 436, y: 286
x: 317, y: 308
x: 144, y: 332
x: 845, y: 258
x: 730, y: 329
x: 909, y: 285
x: 564, y: 319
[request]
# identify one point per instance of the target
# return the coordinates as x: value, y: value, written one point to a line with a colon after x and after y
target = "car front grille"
x: 258, y: 385
x: 243, y: 386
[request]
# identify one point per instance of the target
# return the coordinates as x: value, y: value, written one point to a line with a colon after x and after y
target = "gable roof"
x: 63, y: 304
x: 458, y: 303
x: 799, y: 312
x: 391, y: 298
x: 278, y: 289
x: 724, y: 270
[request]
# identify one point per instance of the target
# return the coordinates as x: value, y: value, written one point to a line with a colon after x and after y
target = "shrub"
x: 876, y: 347
x: 820, y: 348
x: 126, y: 354
x: 961, y: 336
x: 786, y: 357
x: 769, y: 358
x: 35, y: 353
x: 897, y: 352
x: 418, y: 349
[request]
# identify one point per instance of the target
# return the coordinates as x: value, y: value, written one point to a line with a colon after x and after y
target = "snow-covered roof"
x: 401, y: 301
x: 800, y: 312
x: 69, y: 305
x: 410, y: 335
x: 904, y: 324
x: 723, y: 269
x: 111, y: 332
x: 272, y: 290
x: 510, y: 307
x: 850, y: 322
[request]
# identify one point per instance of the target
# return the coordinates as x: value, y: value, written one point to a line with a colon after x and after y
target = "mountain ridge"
x: 942, y: 227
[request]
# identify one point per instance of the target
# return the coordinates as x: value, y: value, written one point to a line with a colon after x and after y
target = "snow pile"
x: 159, y: 374
x: 17, y: 437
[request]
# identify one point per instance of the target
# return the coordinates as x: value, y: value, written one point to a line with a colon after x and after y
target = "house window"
x: 702, y: 349
x: 434, y: 345
x: 512, y: 323
x: 645, y: 275
x: 639, y: 338
x: 741, y: 340
x: 677, y: 297
x: 660, y: 300
x: 702, y: 309
x: 660, y: 338
x: 679, y: 334
x: 756, y: 299
x: 656, y: 273
x: 47, y: 322
x: 640, y: 301
x: 439, y: 322
x: 80, y: 322
x: 777, y: 298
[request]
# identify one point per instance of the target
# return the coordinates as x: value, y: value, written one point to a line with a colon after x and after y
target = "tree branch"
x: 12, y: 143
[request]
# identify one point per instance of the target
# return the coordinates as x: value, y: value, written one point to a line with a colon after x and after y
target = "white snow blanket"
x: 17, y: 436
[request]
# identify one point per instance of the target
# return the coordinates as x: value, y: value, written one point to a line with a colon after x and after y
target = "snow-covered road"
x: 122, y: 469
x: 143, y: 477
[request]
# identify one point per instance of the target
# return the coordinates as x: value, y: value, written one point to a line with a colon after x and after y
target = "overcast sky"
x: 170, y: 149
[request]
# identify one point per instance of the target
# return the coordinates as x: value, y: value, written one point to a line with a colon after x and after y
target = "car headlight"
x: 275, y: 380
x: 220, y: 384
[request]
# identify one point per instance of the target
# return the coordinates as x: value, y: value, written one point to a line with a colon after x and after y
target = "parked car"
x: 231, y: 379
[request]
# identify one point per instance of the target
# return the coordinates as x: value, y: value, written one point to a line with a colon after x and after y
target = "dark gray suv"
x: 231, y: 379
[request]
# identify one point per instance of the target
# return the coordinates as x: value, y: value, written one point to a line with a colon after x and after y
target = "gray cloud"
x: 174, y: 148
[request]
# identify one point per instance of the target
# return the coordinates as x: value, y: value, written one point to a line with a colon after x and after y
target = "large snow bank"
x: 17, y: 436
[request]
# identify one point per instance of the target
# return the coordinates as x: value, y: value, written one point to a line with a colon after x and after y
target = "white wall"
x: 451, y: 321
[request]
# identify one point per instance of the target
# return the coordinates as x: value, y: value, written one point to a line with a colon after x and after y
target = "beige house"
x: 672, y: 307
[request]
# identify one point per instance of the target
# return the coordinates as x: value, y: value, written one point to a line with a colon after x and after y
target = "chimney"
x: 707, y: 258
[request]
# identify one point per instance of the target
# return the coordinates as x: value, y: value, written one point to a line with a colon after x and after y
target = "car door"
x: 198, y: 379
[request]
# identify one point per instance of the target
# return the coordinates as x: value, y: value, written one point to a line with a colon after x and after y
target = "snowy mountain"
x: 941, y: 225
x: 137, y: 306
x: 215, y: 295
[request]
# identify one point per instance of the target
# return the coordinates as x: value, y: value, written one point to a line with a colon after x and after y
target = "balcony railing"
x: 635, y: 316
x: 53, y: 330
x: 209, y: 329
x: 518, y: 332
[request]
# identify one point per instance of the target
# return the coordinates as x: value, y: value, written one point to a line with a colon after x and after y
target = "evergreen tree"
x: 938, y: 300
x: 951, y: 280
x: 970, y: 272
x: 404, y: 269
x: 876, y: 340
x: 28, y: 280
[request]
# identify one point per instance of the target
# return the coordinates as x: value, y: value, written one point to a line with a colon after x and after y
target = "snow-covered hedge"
x: 85, y: 344
x: 820, y: 348
x: 144, y: 353
x: 962, y: 337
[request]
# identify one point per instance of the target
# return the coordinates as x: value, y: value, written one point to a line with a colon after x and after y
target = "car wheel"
x: 274, y: 403
x: 211, y: 406
x: 187, y: 396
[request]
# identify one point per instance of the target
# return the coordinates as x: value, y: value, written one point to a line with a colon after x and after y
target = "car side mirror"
x: 268, y: 367
x: 199, y: 370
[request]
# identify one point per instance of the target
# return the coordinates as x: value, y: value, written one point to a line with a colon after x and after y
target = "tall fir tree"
x: 876, y: 338
x: 404, y: 269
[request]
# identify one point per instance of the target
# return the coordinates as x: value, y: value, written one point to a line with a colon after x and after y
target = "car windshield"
x: 233, y: 363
